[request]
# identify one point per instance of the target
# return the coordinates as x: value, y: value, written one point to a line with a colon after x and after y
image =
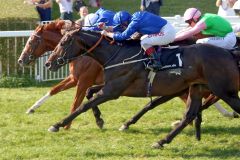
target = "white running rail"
x: 42, y: 74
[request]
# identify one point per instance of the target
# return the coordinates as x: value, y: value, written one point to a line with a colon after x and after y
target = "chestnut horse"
x: 204, y: 67
x: 45, y: 38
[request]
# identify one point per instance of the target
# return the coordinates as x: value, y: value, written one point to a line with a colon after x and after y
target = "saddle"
x: 170, y: 57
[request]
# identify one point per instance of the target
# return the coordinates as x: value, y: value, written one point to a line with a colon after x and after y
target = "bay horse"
x: 203, y: 67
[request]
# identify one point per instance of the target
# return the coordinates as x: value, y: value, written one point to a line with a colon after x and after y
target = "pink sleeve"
x: 193, y: 31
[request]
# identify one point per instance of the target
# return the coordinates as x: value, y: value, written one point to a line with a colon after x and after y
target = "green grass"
x: 26, y: 137
x: 16, y: 8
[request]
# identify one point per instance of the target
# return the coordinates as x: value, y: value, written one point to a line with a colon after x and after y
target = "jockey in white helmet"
x: 218, y: 30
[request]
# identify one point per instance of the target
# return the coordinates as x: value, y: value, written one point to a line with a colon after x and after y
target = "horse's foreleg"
x: 96, y: 112
x: 194, y: 103
x: 80, y: 94
x: 63, y: 85
x: 111, y: 90
x: 98, y: 99
x: 92, y: 90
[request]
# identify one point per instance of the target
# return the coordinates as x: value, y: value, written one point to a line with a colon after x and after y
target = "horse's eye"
x: 62, y: 43
x: 70, y: 40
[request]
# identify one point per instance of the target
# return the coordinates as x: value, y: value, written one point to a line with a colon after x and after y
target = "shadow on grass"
x: 212, y: 130
x: 119, y: 155
x: 217, y: 153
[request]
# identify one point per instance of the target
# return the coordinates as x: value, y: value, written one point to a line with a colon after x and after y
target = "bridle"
x: 33, y: 46
x: 64, y: 59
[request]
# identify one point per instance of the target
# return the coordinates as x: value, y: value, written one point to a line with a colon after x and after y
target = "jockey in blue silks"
x: 100, y: 16
x: 155, y: 31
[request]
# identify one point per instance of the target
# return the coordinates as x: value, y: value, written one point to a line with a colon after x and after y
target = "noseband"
x: 33, y: 47
x: 64, y: 59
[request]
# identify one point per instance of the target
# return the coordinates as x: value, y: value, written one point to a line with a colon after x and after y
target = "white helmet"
x: 236, y: 5
x: 192, y: 13
x: 90, y: 19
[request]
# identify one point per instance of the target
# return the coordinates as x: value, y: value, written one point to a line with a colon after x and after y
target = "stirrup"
x: 154, y: 68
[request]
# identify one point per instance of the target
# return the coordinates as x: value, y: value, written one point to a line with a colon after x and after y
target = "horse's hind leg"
x: 67, y: 83
x: 194, y: 102
x: 157, y: 101
x: 228, y: 93
x: 224, y: 112
x: 233, y: 101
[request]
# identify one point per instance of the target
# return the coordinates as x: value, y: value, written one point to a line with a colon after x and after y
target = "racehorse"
x: 84, y: 71
x: 203, y: 67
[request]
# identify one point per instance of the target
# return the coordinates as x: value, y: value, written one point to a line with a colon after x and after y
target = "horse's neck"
x: 110, y: 55
x: 106, y: 52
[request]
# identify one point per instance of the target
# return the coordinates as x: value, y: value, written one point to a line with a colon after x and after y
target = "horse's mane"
x: 58, y: 26
x: 55, y: 25
x: 129, y: 43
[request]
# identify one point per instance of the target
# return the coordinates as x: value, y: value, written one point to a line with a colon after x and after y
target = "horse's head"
x: 72, y: 45
x: 44, y: 38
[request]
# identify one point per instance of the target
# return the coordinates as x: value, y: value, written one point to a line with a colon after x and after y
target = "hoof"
x: 30, y: 111
x: 157, y: 146
x: 100, y: 123
x: 123, y: 128
x: 53, y: 129
x: 235, y: 115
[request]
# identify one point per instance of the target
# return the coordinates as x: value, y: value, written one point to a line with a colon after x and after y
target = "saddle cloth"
x: 171, y: 58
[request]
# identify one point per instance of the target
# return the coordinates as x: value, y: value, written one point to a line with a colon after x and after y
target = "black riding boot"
x: 157, y: 65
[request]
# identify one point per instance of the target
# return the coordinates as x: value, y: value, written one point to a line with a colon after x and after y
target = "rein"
x: 62, y: 61
x: 126, y: 62
x: 33, y: 46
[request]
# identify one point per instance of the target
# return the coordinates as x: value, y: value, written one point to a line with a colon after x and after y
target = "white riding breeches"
x: 227, y: 42
x: 164, y: 37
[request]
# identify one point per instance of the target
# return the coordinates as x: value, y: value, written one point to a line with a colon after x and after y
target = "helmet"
x: 236, y: 5
x: 192, y: 13
x: 121, y: 17
x: 90, y: 19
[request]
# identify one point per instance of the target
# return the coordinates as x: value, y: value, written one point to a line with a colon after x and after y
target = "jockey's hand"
x: 142, y: 8
x: 104, y: 33
x: 101, y: 25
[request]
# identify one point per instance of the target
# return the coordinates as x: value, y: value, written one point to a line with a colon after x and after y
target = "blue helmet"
x: 121, y: 17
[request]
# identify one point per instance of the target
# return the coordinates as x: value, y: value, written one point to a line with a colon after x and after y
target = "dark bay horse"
x: 203, y: 67
x: 84, y: 71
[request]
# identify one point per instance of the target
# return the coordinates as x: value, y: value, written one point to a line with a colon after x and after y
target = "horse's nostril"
x: 47, y: 64
x: 20, y: 61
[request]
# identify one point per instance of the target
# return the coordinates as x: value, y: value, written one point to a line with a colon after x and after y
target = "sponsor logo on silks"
x: 156, y: 34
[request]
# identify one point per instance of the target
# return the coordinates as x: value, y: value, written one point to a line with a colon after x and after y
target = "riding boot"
x: 156, y: 58
x: 157, y: 65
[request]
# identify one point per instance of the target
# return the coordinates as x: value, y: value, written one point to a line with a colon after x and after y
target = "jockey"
x: 155, y: 31
x: 218, y: 31
x: 100, y: 16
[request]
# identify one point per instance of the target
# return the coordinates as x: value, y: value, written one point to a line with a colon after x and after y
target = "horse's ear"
x: 60, y: 24
x: 39, y: 28
x: 68, y: 25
